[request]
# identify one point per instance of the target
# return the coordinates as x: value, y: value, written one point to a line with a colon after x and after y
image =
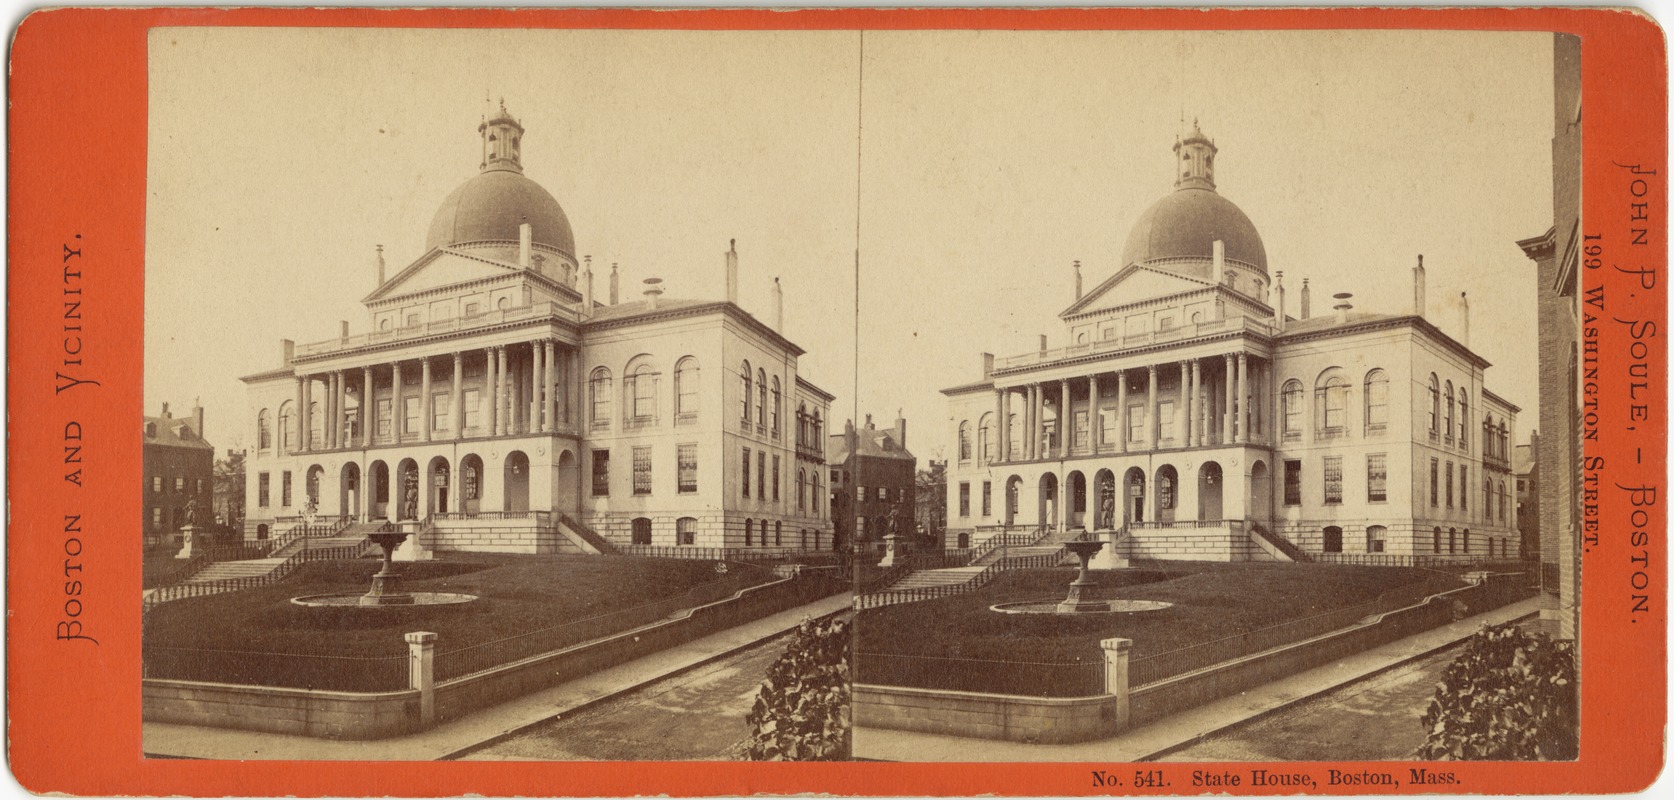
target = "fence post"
x: 1116, y: 677
x: 421, y: 672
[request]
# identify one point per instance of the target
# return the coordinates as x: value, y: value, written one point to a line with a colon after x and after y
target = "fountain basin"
x: 351, y: 600
x: 1086, y: 607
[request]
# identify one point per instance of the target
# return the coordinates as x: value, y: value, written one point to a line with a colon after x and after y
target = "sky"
x: 970, y: 169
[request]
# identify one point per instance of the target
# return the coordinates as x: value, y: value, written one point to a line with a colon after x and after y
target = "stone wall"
x: 1186, y: 544
x: 1033, y: 720
x: 297, y: 712
x: 485, y: 536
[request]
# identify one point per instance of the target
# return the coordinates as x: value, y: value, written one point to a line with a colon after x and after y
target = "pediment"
x: 437, y: 269
x: 1136, y: 284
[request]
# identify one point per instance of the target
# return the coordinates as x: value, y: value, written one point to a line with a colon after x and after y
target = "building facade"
x: 873, y: 485
x: 494, y: 389
x: 178, y: 468
x: 1192, y: 417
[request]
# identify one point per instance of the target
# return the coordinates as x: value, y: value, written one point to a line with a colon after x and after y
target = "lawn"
x: 1211, y: 602
x: 526, y: 604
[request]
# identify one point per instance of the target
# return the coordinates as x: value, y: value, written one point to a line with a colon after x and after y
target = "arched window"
x: 746, y: 377
x: 316, y: 425
x: 985, y: 439
x: 801, y: 489
x: 599, y: 386
x: 1504, y: 496
x: 1015, y: 436
x: 685, y: 530
x: 776, y: 400
x: 1376, y: 536
x: 761, y: 397
x: 1377, y: 401
x: 1447, y: 393
x: 264, y: 431
x: 1467, y: 540
x: 1333, y: 539
x: 1435, y: 543
x: 639, y: 392
x: 686, y: 390
x: 1452, y: 540
x: 749, y: 532
x: 965, y: 441
x: 1291, y: 399
x: 1435, y: 404
x: 778, y: 533
x: 642, y: 530
x: 1331, y: 404
x: 287, y: 431
x: 1464, y: 418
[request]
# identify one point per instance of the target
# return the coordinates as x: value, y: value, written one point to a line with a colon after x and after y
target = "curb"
x: 466, y: 750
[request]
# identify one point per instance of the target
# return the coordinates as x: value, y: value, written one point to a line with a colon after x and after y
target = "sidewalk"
x: 456, y: 736
x: 1188, y: 726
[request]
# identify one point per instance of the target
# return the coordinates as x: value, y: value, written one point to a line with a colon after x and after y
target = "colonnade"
x: 1225, y: 399
x: 530, y: 387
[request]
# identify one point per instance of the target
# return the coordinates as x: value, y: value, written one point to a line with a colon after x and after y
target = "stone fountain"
x: 386, y: 584
x: 1084, y: 591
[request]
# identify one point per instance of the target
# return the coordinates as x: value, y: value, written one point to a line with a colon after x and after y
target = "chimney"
x: 380, y: 265
x: 1464, y: 320
x: 732, y: 271
x: 1279, y: 311
x: 1304, y: 298
x: 1342, y: 306
x: 287, y: 348
x: 342, y: 329
x: 587, y: 287
x: 525, y: 238
x: 1078, y: 279
x: 1219, y: 249
x: 615, y: 284
x: 197, y: 418
x: 869, y: 423
x: 166, y: 411
x: 1418, y: 287
x: 778, y: 306
x: 1043, y: 343
x: 653, y: 290
x: 987, y: 365
x: 900, y: 430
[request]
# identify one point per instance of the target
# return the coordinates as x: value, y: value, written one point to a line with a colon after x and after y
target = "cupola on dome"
x: 1186, y: 223
x: 492, y: 205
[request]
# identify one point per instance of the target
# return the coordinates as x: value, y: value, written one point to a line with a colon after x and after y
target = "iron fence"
x: 991, y: 676
x: 181, y: 591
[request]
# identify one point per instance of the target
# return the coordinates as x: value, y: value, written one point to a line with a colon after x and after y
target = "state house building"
x: 1191, y: 418
x: 494, y: 390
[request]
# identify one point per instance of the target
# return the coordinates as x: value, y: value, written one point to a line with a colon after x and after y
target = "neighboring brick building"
x: 1525, y: 467
x: 873, y: 478
x: 179, y: 469
x: 1556, y: 254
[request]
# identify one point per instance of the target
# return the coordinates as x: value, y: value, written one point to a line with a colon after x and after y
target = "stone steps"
x: 236, y: 569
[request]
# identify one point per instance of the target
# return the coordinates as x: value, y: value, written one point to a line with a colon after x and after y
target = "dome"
x: 1186, y: 223
x: 492, y: 205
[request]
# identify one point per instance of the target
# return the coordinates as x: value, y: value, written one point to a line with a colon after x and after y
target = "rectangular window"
x: 987, y: 498
x: 473, y: 309
x: 384, y: 424
x: 156, y: 517
x: 1449, y: 484
x: 1107, y: 427
x: 157, y: 484
x: 964, y: 499
x: 180, y: 485
x: 746, y: 474
x: 642, y: 470
x: 1165, y: 419
x: 200, y: 486
x: 601, y: 473
x: 1081, y: 430
x: 1377, y: 478
x: 1464, y: 487
x: 1435, y: 470
x: 686, y: 456
x: 262, y: 490
x: 1293, y: 483
x: 761, y: 473
x: 439, y: 415
x: 409, y: 415
x: 1136, y: 423
x: 473, y: 408
x: 285, y: 488
x: 776, y: 472
x: 1333, y: 480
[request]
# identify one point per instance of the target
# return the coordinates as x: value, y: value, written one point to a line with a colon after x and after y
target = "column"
x: 456, y: 407
x: 1151, y: 406
x: 1189, y: 438
x: 1199, y: 415
x: 491, y: 390
x: 1226, y: 411
x: 1039, y: 424
x: 500, y: 399
x: 397, y: 418
x: 342, y: 416
x: 1243, y: 398
x: 301, y: 416
x: 1183, y: 437
x: 1095, y: 422
x: 368, y: 415
x: 425, y: 413
x: 537, y: 380
x: 1066, y: 423
x: 1121, y: 414
x: 997, y: 449
x: 551, y: 385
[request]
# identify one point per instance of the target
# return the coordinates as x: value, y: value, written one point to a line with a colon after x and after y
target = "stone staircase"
x: 224, y: 570
x: 255, y: 567
x: 946, y: 576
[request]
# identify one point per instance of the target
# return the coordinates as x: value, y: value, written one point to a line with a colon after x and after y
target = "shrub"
x: 802, y: 710
x: 1510, y: 696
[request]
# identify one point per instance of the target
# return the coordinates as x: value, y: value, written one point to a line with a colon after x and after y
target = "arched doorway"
x: 1014, y: 489
x: 642, y: 531
x: 407, y: 474
x: 517, y: 481
x: 261, y: 531
x: 311, y: 487
x: 1333, y: 539
x: 1261, y: 492
x: 438, y: 482
x: 568, y: 483
x: 470, y: 484
x: 1168, y: 493
x: 1209, y: 483
x: 378, y: 491
x: 1133, y: 492
x: 348, y: 490
x: 1078, y: 500
x: 1104, y: 483
x: 1048, y: 504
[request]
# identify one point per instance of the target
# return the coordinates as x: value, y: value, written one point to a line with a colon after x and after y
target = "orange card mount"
x: 187, y: 182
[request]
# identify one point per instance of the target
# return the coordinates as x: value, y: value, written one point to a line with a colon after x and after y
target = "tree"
x: 1510, y: 696
x: 930, y: 489
x: 802, y: 710
x: 228, y: 493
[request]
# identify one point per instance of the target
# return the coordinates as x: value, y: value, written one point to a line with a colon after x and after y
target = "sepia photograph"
x: 916, y: 395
